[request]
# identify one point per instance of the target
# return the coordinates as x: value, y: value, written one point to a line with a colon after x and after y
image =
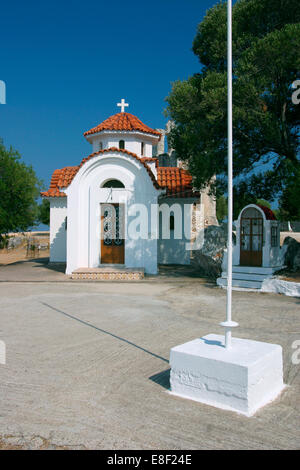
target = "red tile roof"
x: 63, y: 177
x: 122, y: 122
x: 176, y: 181
x: 268, y: 212
x: 60, y: 179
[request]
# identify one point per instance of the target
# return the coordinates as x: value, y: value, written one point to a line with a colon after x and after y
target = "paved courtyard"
x: 87, y: 366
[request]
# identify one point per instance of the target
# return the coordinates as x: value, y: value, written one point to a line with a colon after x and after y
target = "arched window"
x: 113, y: 184
x: 142, y: 148
x: 122, y: 144
x: 100, y: 146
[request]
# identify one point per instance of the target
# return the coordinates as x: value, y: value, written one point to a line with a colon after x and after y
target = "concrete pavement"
x: 87, y: 366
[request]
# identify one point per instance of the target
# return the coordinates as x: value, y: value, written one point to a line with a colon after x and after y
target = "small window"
x: 142, y: 148
x: 122, y: 144
x: 113, y: 184
x: 66, y: 223
x: 172, y: 222
x: 274, y: 236
x: 100, y: 146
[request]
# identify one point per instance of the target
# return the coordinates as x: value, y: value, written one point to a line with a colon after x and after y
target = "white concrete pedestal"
x: 242, y: 379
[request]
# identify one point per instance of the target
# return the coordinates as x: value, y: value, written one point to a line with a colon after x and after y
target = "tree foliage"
x: 221, y: 209
x: 266, y: 61
x: 289, y: 203
x: 19, y: 190
x: 44, y: 212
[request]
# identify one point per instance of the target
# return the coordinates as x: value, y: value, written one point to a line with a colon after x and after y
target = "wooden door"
x: 251, y: 241
x: 112, y: 234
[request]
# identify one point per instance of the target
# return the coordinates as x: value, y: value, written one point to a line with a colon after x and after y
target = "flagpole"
x: 229, y: 324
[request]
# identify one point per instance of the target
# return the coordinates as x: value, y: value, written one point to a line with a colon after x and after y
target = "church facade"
x: 119, y: 206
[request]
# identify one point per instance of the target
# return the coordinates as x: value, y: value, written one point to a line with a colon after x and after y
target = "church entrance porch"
x: 112, y: 249
x: 256, y: 254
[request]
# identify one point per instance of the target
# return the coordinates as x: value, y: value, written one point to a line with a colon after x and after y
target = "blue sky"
x: 67, y: 63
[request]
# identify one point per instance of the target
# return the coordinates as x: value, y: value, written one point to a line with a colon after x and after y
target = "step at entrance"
x: 247, y: 277
x: 109, y: 273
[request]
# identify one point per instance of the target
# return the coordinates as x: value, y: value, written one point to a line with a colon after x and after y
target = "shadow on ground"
x: 162, y: 379
x: 40, y: 270
x: 72, y: 317
x: 38, y: 262
x: 32, y: 269
x: 178, y: 270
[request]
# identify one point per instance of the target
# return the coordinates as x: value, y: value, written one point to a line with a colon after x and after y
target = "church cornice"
x: 141, y: 134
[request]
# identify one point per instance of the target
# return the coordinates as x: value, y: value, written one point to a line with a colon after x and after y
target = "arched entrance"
x: 251, y: 239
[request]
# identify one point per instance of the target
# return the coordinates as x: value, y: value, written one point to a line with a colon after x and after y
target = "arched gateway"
x: 251, y: 237
x: 256, y: 253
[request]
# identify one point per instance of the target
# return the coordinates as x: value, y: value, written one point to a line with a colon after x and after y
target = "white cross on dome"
x: 123, y: 105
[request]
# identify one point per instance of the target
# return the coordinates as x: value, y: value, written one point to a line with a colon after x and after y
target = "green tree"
x: 221, y: 209
x: 44, y: 212
x: 266, y: 61
x: 263, y: 202
x: 19, y: 190
x: 289, y: 203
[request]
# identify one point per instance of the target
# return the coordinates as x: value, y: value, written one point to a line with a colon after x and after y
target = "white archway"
x: 85, y: 196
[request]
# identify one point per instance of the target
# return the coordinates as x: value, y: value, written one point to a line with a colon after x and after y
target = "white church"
x: 120, y: 207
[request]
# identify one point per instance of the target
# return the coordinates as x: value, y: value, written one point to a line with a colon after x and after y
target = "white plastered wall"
x: 58, y: 214
x: 132, y: 140
x: 174, y: 250
x: 85, y: 194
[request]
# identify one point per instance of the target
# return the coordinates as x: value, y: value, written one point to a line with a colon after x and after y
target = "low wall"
x: 295, y: 235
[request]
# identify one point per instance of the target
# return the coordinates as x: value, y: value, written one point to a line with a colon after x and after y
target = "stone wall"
x: 292, y: 254
x: 209, y: 203
x: 208, y: 259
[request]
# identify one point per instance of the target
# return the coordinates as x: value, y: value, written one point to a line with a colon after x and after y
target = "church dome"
x: 122, y: 122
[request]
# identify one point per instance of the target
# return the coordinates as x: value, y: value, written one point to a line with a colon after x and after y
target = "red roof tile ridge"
x: 178, y: 182
x: 267, y: 211
x: 122, y: 122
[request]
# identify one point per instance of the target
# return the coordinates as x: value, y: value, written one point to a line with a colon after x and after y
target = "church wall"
x: 132, y: 142
x: 85, y: 195
x: 58, y: 214
x: 174, y: 251
x: 152, y: 166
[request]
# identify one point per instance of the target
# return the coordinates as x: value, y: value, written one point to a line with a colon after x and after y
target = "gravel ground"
x: 87, y: 366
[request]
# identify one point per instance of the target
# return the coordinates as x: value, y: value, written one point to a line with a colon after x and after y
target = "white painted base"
x: 241, y: 379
